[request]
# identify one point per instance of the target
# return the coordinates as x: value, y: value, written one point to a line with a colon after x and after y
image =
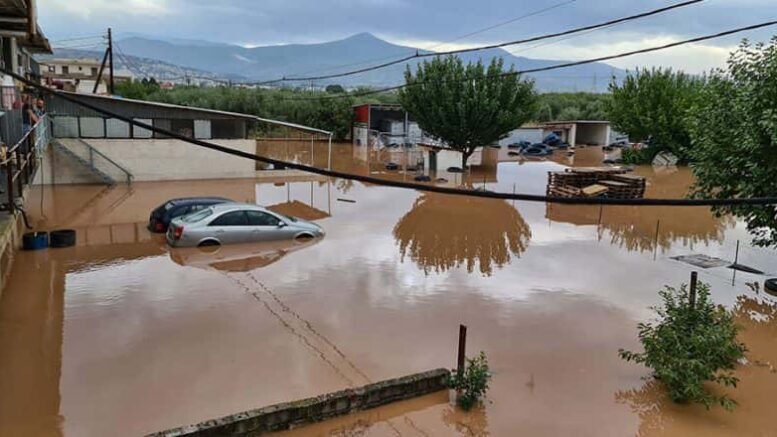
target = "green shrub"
x: 472, y: 382
x: 690, y: 346
x: 639, y: 156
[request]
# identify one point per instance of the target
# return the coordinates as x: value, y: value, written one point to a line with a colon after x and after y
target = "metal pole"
x: 110, y: 57
x: 655, y: 241
x: 312, y: 162
x: 462, y: 349
x: 329, y: 160
x: 692, y: 296
x: 736, y: 255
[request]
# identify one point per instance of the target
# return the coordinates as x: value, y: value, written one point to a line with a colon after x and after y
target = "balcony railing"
x: 20, y: 162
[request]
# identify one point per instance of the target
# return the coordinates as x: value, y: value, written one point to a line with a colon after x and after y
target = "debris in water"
x: 746, y: 269
x: 340, y: 199
x: 700, y: 260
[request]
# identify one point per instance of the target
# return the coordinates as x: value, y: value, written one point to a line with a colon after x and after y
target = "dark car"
x: 162, y: 216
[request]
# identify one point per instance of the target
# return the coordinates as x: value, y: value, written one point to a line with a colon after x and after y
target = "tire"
x: 35, y: 240
x: 771, y: 285
x: 62, y: 238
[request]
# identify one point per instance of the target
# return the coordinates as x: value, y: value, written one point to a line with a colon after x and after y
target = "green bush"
x: 472, y: 382
x: 639, y: 156
x: 690, y: 346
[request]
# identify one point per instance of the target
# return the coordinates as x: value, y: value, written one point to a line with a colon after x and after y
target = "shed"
x: 580, y: 132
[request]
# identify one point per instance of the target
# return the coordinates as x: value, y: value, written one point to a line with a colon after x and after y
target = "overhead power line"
x: 393, y: 183
x: 458, y: 38
x: 556, y: 66
x: 489, y: 47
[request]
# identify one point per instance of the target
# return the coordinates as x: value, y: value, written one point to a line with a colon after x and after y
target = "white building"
x: 79, y: 75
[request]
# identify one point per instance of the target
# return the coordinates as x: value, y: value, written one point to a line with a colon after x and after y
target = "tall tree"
x: 733, y: 125
x: 467, y: 106
x: 654, y: 103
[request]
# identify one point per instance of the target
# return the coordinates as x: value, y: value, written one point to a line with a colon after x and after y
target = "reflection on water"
x: 120, y: 332
x: 441, y: 232
x: 758, y: 381
x: 636, y: 228
x: 472, y: 423
x: 238, y: 257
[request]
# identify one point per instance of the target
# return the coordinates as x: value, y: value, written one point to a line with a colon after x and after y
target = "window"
x: 234, y: 218
x: 94, y: 71
x: 65, y: 69
x: 197, y: 216
x: 52, y: 69
x: 258, y: 218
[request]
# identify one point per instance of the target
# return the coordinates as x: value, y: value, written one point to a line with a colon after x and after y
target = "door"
x: 231, y: 227
x: 264, y: 227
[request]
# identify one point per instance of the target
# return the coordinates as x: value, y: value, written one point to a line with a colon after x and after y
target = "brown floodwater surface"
x: 121, y: 335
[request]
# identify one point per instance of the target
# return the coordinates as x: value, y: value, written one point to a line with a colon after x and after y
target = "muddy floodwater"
x: 122, y: 336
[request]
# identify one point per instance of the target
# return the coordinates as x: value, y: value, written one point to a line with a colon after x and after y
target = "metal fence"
x: 19, y: 163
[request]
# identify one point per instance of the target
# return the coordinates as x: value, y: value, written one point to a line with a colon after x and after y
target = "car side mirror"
x: 282, y: 224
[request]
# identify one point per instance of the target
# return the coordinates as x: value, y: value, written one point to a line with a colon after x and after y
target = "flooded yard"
x: 121, y: 335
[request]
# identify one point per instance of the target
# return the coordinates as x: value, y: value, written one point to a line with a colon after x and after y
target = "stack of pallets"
x: 612, y: 182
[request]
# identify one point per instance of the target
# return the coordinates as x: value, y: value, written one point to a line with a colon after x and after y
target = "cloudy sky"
x: 424, y: 24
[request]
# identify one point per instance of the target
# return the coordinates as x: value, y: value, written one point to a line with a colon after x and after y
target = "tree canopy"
x: 733, y: 126
x: 654, y: 104
x: 467, y: 106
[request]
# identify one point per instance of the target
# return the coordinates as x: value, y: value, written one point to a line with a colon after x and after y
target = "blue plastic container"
x: 35, y: 240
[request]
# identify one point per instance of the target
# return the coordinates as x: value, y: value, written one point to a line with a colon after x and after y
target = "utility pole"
x: 110, y: 59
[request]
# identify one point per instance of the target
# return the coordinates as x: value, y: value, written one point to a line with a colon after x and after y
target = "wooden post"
x: 462, y: 349
x: 692, y: 296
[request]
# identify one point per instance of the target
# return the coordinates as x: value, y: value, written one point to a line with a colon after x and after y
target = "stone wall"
x: 294, y: 414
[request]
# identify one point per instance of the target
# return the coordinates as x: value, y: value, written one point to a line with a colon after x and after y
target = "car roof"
x: 188, y: 200
x: 237, y: 206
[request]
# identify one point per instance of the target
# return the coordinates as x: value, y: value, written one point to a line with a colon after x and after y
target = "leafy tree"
x: 572, y: 106
x: 467, y: 106
x: 335, y: 89
x: 733, y: 123
x: 654, y: 103
x: 689, y: 346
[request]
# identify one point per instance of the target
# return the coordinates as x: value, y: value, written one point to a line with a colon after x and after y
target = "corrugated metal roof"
x: 167, y: 110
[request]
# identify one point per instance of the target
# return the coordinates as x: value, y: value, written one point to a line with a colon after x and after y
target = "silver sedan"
x: 231, y: 223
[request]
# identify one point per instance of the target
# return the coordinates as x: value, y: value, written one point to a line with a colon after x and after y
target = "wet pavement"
x: 122, y: 336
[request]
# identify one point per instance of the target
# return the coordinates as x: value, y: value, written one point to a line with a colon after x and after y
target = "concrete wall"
x: 11, y: 231
x: 292, y: 414
x: 150, y: 160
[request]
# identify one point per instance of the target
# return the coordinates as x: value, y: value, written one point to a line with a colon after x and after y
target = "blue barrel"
x: 35, y: 240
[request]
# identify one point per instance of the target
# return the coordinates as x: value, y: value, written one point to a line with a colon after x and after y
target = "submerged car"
x: 231, y: 223
x: 162, y: 216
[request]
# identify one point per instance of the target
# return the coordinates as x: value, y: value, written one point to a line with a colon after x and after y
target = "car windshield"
x: 288, y: 217
x: 197, y: 216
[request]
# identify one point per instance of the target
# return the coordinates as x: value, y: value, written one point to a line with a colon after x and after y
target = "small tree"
x: 734, y: 130
x: 335, y: 89
x: 654, y: 103
x: 689, y: 346
x: 471, y: 382
x: 467, y: 106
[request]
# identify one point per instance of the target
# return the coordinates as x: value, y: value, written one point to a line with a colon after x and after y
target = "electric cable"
x: 491, y: 46
x: 551, y: 67
x: 398, y: 184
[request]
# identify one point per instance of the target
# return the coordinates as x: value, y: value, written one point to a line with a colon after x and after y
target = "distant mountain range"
x: 234, y: 62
